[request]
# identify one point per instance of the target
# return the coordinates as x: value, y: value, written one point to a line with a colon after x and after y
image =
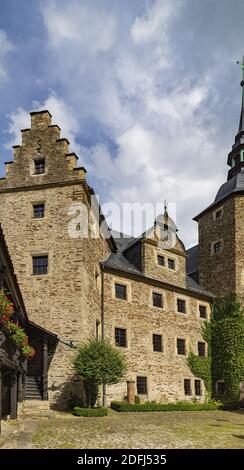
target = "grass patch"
x: 90, y: 412
x: 150, y: 406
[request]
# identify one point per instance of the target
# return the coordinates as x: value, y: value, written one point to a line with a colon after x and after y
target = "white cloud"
x: 62, y: 114
x: 153, y: 23
x: 78, y: 23
x: 120, y: 83
x: 150, y: 167
x: 163, y: 147
x: 5, y: 47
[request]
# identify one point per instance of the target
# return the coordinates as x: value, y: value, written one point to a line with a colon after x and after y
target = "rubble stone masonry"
x: 223, y: 272
x: 66, y: 301
x: 71, y: 299
x: 166, y: 370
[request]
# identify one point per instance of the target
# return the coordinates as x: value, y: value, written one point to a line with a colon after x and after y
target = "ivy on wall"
x: 201, y: 366
x: 225, y: 337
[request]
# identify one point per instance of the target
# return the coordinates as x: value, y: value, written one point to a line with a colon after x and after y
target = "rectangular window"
x: 201, y: 349
x: 217, y: 247
x: 187, y: 386
x: 39, y: 166
x: 141, y: 383
x: 40, y: 264
x: 38, y: 211
x: 220, y: 389
x: 171, y: 263
x: 181, y: 347
x: 157, y: 300
x: 157, y: 343
x: 120, y: 291
x: 120, y: 337
x: 181, y: 306
x: 203, y: 311
x: 161, y: 260
x: 198, y: 388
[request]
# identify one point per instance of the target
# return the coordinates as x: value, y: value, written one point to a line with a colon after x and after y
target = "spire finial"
x: 242, y: 68
x: 241, y: 124
x: 165, y: 207
x: 235, y: 160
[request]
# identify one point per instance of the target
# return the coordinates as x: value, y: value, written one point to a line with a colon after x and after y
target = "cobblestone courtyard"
x: 168, y: 430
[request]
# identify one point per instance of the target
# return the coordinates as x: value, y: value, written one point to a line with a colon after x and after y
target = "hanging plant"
x: 17, y: 334
x: 6, y: 308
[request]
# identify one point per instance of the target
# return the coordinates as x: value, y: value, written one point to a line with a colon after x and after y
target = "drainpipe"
x: 104, y: 398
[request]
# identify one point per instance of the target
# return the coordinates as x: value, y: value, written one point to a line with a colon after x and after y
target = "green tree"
x: 98, y: 363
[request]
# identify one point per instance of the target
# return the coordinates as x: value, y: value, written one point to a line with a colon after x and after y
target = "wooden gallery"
x: 26, y: 350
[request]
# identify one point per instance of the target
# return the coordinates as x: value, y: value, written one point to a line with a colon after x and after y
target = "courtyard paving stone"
x: 165, y: 430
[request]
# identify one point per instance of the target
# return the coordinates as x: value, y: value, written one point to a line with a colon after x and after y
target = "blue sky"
x: 147, y: 91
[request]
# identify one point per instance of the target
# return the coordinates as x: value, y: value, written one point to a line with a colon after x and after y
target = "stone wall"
x: 177, y: 276
x: 165, y: 370
x: 66, y: 301
x: 217, y: 272
x: 239, y: 211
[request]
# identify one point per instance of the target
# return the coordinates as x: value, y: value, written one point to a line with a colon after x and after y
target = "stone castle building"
x: 143, y: 296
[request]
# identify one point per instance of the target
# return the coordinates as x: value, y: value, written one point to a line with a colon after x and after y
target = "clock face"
x: 166, y: 238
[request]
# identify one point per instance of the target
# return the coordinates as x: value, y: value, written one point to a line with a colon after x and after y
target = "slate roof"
x: 192, y: 259
x: 122, y: 240
x: 232, y: 186
x: 235, y: 184
x: 119, y: 261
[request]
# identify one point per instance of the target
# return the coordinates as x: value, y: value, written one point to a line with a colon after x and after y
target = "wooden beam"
x: 13, y: 395
x: 0, y: 398
x: 45, y: 369
x: 20, y: 388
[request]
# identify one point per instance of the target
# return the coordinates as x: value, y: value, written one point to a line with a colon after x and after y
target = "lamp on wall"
x: 70, y: 343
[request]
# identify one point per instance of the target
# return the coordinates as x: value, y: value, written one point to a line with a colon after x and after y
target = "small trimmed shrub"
x: 149, y: 406
x: 230, y: 406
x: 90, y: 412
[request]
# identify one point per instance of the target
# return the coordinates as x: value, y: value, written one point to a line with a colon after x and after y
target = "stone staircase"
x: 33, y: 390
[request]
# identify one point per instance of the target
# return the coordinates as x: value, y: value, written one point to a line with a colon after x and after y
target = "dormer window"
x: 39, y: 166
x: 161, y: 260
x: 171, y: 263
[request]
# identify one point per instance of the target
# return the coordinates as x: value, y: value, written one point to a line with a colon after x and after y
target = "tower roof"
x: 236, y: 156
x: 241, y: 123
x: 234, y: 185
